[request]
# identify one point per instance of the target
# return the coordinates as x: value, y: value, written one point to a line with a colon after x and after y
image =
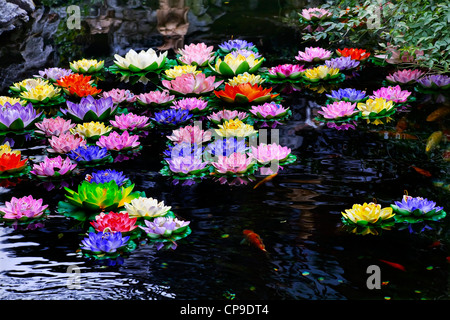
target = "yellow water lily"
x: 378, y: 106
x: 321, y: 73
x: 246, y: 78
x: 11, y: 100
x: 235, y: 128
x: 6, y: 148
x: 180, y: 70
x: 87, y: 65
x: 28, y: 84
x: 91, y: 129
x: 368, y: 213
x: 234, y: 64
x: 41, y: 94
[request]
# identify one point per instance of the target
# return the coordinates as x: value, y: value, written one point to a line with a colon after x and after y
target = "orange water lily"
x: 11, y: 163
x: 245, y: 93
x: 354, y: 54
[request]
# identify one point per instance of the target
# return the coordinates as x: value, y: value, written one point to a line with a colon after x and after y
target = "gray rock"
x: 11, y: 16
x: 27, y: 5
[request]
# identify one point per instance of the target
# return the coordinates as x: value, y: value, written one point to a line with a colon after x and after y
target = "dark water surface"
x: 297, y: 213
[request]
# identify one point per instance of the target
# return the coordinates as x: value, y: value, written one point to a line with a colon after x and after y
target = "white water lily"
x: 143, y: 61
x: 143, y: 207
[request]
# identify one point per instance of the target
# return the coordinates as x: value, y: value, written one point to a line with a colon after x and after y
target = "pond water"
x: 297, y: 213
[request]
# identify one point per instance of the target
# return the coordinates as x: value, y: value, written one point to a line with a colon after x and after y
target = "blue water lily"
x: 88, y: 153
x: 414, y: 209
x: 105, y: 176
x: 347, y: 94
x: 104, y: 242
x: 226, y: 146
x: 172, y: 117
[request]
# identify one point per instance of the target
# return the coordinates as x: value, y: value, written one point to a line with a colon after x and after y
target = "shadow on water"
x: 297, y: 214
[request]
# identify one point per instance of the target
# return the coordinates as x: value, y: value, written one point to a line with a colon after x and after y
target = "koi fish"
x: 393, y: 264
x: 433, y: 140
x: 254, y: 239
x: 438, y: 113
x: 436, y: 243
x: 422, y: 171
x: 402, y: 124
x: 268, y: 178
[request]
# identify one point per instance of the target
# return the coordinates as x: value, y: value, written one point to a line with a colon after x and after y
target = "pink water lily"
x: 269, y: 110
x: 314, y: 54
x: 155, y: 97
x: 190, y: 104
x: 338, y: 109
x: 54, y: 126
x: 192, y: 84
x: 395, y: 94
x: 130, y: 121
x: 119, y: 95
x: 52, y: 167
x: 187, y: 164
x: 283, y: 71
x: 405, y: 76
x: 225, y: 115
x: 265, y: 153
x: 236, y: 163
x: 65, y: 143
x: 196, y: 54
x: 315, y: 14
x: 23, y: 208
x: 190, y: 134
x: 118, y: 142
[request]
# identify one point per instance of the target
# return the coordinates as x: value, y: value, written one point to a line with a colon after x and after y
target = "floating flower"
x: 11, y: 101
x: 375, y: 107
x: 100, y: 196
x: 6, y: 148
x: 348, y: 95
x: 395, y: 94
x: 193, y: 105
x: 187, y: 165
x: 235, y: 128
x: 66, y: 142
x: 184, y: 149
x: 27, y: 84
x: 88, y: 154
x: 435, y: 81
x: 130, y: 122
x: 354, y: 54
x: 18, y: 118
x: 119, y: 142
x: 265, y: 153
x: 41, y: 94
x: 143, y: 61
x: 313, y: 54
x: 54, y: 74
x: 54, y: 126
x: 105, y: 176
x: 286, y: 71
x: 114, y: 222
x: 78, y: 85
x: 53, y: 167
x: 320, y: 73
x: 245, y: 93
x: 87, y: 65
x: 196, y: 54
x: 236, y: 44
x: 246, y: 78
x: 246, y: 53
x: 104, y: 242
x: 342, y: 63
x: 226, y: 147
x: 147, y: 208
x: 93, y: 129
x: 338, y: 110
x: 172, y: 117
x: 165, y: 227
x: 155, y: 98
x: 11, y: 163
x: 314, y: 14
x: 90, y: 109
x: 269, y: 110
x: 188, y: 84
x: 23, y: 208
x: 177, y: 71
x: 119, y: 96
x: 190, y: 134
x: 406, y: 76
x: 416, y: 209
x: 368, y: 214
x: 224, y: 115
x: 236, y: 163
x: 233, y: 65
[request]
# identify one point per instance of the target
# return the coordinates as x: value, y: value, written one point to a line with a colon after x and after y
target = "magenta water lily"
x: 286, y: 72
x: 24, y: 208
x: 269, y: 110
x: 192, y: 84
x: 130, y: 122
x: 119, y: 142
x: 395, y: 94
x: 53, y: 168
x: 193, y: 105
x: 190, y: 134
x: 65, y: 143
x: 338, y: 110
x: 314, y: 54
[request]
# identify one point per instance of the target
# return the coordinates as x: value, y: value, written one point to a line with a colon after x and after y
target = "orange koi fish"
x: 438, y: 113
x: 268, y: 178
x: 393, y: 264
x: 422, y: 171
x: 254, y: 239
x: 433, y: 140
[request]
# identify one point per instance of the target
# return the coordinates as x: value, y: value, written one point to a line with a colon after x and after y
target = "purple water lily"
x: 226, y: 146
x: 411, y: 204
x: 347, y: 94
x: 104, y: 242
x: 90, y: 109
x: 342, y: 63
x: 163, y: 227
x: 54, y: 74
x: 17, y: 117
x: 236, y: 44
x: 172, y: 116
x: 435, y: 81
x: 184, y: 149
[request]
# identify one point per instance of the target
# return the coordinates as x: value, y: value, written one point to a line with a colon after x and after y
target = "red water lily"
x: 354, y: 54
x: 245, y: 93
x: 10, y: 163
x: 78, y: 85
x: 114, y: 222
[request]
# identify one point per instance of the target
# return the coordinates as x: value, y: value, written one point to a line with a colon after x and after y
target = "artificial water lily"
x: 269, y: 110
x: 11, y: 101
x: 235, y: 128
x: 376, y: 107
x: 435, y: 81
x: 53, y: 74
x: 193, y: 105
x: 65, y: 142
x: 41, y: 94
x: 286, y: 71
x: 177, y: 71
x: 93, y: 129
x: 114, y: 222
x: 245, y: 93
x: 225, y: 147
x: 105, y: 176
x: 104, y: 242
x: 183, y: 149
x: 314, y: 14
x: 53, y: 167
x: 87, y: 65
x: 236, y: 44
x: 119, y: 142
x: 23, y: 208
x: 232, y: 64
x: 186, y: 165
x: 313, y: 54
x: 90, y: 109
x: 18, y: 118
x: 130, y: 122
x: 6, y: 148
x: 88, y: 155
x: 78, y: 85
x: 54, y: 126
x: 354, y: 54
x: 320, y: 73
x: 416, y: 209
x: 155, y: 98
x: 100, y: 196
x: 196, y: 54
x: 265, y: 153
x: 190, y: 134
x: 192, y: 84
x: 164, y: 227
x: 246, y: 78
x: 143, y: 61
x: 224, y: 115
x: 405, y: 76
x: 348, y: 95
x: 395, y: 94
x: 338, y: 110
x: 368, y: 214
x: 342, y: 63
x: 119, y: 96
x: 172, y: 117
x: 147, y: 208
x: 27, y: 84
x: 235, y: 163
x: 11, y: 163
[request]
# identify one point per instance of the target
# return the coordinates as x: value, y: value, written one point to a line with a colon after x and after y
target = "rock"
x: 11, y: 16
x: 27, y: 5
